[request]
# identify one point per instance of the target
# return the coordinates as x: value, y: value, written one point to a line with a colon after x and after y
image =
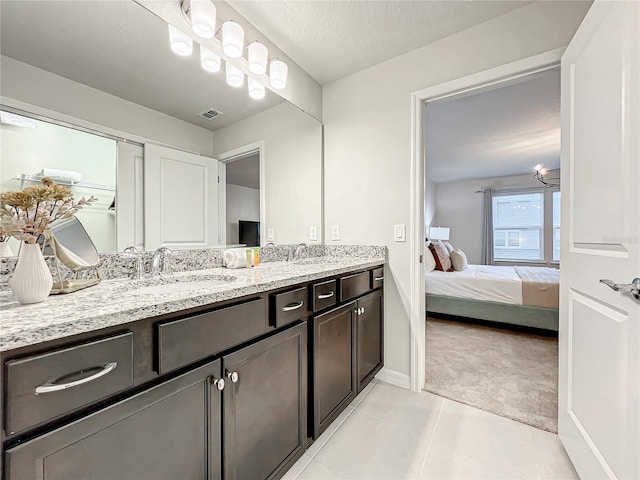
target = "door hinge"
x: 420, y: 259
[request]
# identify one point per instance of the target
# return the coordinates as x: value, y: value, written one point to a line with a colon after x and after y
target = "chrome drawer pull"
x: 378, y: 279
x: 56, y: 387
x: 292, y: 306
x: 323, y: 296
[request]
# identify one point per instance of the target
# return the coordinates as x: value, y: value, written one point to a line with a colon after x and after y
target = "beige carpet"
x: 509, y: 373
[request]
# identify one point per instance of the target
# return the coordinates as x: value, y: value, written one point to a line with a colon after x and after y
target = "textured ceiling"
x: 331, y: 39
x: 498, y: 132
x: 122, y: 49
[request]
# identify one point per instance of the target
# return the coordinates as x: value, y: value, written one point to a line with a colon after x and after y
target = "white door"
x: 599, y: 396
x: 180, y: 199
x: 130, y: 196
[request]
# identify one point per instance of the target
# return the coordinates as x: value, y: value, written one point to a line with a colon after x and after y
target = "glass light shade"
x: 235, y: 76
x: 258, y: 58
x: 256, y: 89
x: 203, y: 18
x: 181, y: 44
x: 278, y: 74
x: 209, y: 60
x: 232, y: 39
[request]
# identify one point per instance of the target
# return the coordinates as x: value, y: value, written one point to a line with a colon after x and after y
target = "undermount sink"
x: 316, y: 261
x: 171, y: 284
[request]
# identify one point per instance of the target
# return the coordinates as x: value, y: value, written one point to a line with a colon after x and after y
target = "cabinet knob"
x: 362, y: 309
x: 233, y: 376
x: 219, y: 383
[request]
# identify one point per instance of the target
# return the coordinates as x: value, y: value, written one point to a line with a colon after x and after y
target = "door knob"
x: 633, y: 288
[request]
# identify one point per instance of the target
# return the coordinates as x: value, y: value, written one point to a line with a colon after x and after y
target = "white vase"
x: 5, y: 250
x: 31, y: 281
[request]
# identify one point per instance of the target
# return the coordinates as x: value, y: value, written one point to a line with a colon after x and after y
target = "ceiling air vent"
x: 210, y: 114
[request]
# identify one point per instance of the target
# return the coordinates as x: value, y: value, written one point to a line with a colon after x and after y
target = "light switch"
x: 270, y: 235
x: 313, y: 233
x: 399, y: 233
x: 335, y: 232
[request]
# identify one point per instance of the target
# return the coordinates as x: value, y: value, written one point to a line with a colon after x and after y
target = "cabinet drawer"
x: 324, y: 295
x: 46, y: 386
x: 377, y: 277
x: 354, y: 286
x: 289, y: 306
x: 187, y: 340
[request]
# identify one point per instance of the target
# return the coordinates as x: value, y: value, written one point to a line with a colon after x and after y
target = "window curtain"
x: 487, y: 227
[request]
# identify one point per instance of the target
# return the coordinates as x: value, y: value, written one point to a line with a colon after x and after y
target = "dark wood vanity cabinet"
x: 231, y: 391
x: 265, y: 406
x: 169, y: 431
x: 348, y: 347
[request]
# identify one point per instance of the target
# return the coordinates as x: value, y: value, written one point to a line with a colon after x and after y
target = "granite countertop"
x: 116, y: 302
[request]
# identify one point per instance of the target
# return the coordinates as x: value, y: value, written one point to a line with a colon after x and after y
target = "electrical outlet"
x: 399, y: 233
x: 335, y: 232
x: 270, y: 236
x: 313, y: 233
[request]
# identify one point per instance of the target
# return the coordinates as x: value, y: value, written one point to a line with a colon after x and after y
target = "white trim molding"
x: 527, y: 66
x: 393, y: 377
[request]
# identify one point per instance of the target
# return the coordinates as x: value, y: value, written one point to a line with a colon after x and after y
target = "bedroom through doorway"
x: 492, y: 223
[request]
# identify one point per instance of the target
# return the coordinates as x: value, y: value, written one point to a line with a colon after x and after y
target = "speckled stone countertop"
x: 116, y: 302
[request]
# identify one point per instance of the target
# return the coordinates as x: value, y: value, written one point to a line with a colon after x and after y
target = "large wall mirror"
x: 267, y: 153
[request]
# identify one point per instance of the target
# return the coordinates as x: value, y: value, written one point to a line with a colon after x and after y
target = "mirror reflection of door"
x: 243, y: 200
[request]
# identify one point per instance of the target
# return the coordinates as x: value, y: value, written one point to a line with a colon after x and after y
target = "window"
x: 556, y: 226
x: 518, y: 227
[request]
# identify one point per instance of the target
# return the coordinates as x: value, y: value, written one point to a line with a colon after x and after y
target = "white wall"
x: 292, y: 165
x: 243, y: 203
x: 367, y: 119
x: 29, y: 150
x: 460, y: 208
x: 25, y: 83
x: 429, y: 204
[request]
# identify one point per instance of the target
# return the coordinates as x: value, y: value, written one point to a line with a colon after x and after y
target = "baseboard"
x: 394, y: 378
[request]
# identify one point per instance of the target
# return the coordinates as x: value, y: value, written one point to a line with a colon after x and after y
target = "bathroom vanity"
x: 211, y: 374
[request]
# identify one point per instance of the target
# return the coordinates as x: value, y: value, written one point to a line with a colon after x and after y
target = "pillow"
x: 441, y: 256
x: 449, y: 247
x: 429, y: 261
x: 459, y: 260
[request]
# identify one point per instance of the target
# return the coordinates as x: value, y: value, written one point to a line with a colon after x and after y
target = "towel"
x: 235, y: 258
x: 62, y: 174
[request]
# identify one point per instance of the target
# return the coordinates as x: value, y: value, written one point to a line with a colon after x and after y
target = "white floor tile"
x: 366, y: 447
x: 364, y: 393
x: 553, y: 461
x: 317, y: 471
x: 394, y: 434
x: 488, y: 444
x: 297, y: 468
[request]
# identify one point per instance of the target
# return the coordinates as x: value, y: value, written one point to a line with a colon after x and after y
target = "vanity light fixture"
x: 209, y: 61
x: 235, y: 76
x: 540, y: 175
x: 256, y: 89
x: 232, y: 39
x: 203, y: 18
x: 181, y: 44
x: 257, y: 56
x: 278, y: 74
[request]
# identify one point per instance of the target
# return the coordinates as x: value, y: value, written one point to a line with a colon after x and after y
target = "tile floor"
x: 391, y: 433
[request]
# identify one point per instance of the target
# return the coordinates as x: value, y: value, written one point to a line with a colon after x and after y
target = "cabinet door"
x: 166, y: 432
x: 369, y: 331
x: 265, y: 406
x: 334, y: 382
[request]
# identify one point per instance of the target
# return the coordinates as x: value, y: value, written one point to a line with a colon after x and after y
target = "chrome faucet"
x: 161, y: 262
x: 294, y: 253
x: 138, y: 266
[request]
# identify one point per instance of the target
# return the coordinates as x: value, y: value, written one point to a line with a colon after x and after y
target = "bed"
x: 524, y: 296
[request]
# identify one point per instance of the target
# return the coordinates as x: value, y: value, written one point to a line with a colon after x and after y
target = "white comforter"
x: 479, y: 282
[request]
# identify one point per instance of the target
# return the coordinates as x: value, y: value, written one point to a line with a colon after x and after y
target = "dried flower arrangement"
x: 28, y: 213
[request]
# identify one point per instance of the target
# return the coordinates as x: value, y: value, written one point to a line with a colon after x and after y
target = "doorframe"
x: 230, y: 156
x: 419, y: 99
